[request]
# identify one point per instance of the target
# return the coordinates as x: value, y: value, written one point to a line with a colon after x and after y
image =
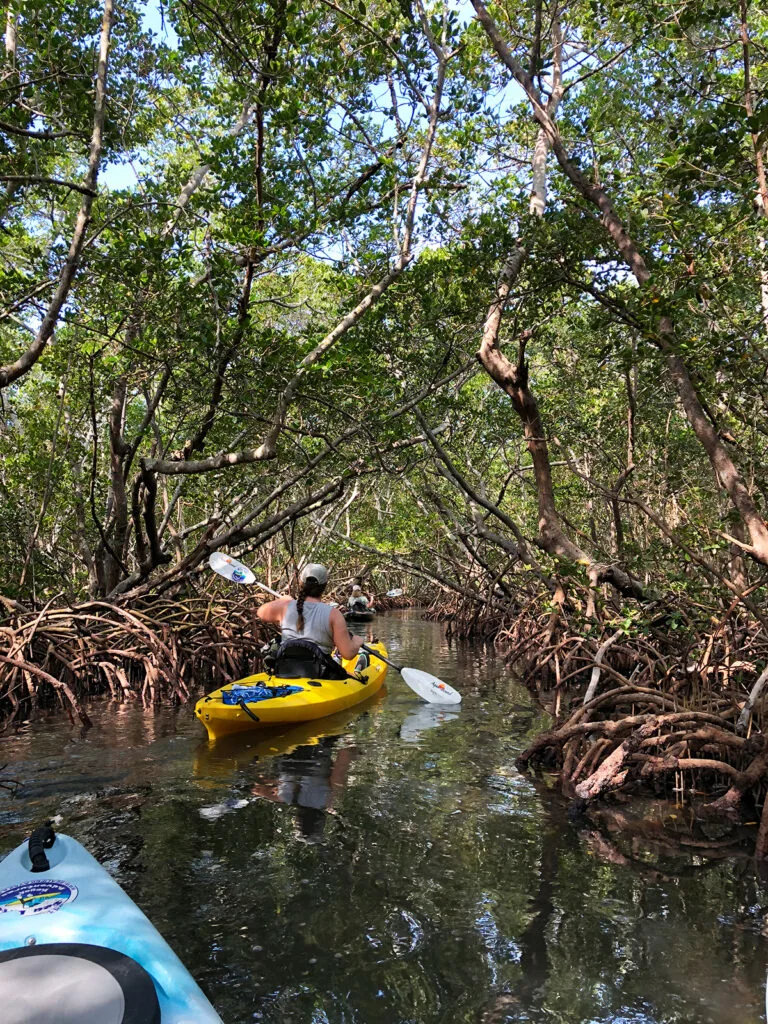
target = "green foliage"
x: 301, y: 128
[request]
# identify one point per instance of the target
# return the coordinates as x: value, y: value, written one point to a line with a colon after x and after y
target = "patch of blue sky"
x: 155, y: 20
x: 126, y: 174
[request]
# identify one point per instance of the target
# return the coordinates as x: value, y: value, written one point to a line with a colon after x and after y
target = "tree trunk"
x: 25, y: 362
x: 118, y: 500
x: 722, y: 463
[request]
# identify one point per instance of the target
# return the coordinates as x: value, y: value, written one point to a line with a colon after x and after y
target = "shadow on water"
x: 388, y: 865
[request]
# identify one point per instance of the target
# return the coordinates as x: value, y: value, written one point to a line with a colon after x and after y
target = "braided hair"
x: 309, y: 588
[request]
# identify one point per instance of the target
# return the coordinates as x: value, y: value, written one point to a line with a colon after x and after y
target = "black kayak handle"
x: 248, y: 711
x: 42, y: 839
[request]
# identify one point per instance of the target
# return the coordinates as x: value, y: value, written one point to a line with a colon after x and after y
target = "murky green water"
x: 396, y: 870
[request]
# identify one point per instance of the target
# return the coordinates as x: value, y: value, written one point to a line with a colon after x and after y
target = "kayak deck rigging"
x: 224, y: 712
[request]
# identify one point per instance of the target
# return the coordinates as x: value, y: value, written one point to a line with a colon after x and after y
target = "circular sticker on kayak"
x: 43, y: 897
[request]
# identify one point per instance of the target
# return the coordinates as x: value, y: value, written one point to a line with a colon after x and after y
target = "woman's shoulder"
x: 269, y: 611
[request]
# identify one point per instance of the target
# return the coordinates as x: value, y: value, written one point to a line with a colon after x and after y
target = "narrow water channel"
x: 390, y: 866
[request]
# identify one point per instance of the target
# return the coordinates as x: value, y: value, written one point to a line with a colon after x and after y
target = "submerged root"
x: 670, y: 700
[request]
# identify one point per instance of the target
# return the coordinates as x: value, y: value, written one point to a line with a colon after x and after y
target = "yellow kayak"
x: 237, y: 752
x: 309, y: 699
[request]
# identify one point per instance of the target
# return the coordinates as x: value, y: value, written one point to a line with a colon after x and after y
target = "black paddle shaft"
x: 375, y: 654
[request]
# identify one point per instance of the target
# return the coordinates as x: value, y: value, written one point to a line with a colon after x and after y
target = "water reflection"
x: 310, y: 780
x: 418, y: 721
x: 390, y: 866
x: 308, y: 764
x: 218, y: 761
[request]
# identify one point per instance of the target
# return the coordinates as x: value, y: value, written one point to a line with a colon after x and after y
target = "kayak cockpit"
x: 75, y: 983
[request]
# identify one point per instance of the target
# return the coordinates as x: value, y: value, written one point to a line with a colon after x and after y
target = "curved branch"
x: 25, y: 362
x: 34, y: 179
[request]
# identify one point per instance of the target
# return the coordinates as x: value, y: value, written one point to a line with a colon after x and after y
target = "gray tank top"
x: 317, y: 624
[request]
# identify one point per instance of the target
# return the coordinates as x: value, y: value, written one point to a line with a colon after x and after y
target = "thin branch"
x: 33, y: 179
x: 27, y: 133
x: 12, y: 371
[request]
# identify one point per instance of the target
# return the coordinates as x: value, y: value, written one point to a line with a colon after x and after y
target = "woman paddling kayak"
x: 301, y: 682
x: 312, y: 627
x: 358, y: 601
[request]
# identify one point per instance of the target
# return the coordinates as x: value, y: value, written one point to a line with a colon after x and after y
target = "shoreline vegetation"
x: 669, y: 706
x: 153, y: 652
x: 655, y: 712
x: 474, y: 300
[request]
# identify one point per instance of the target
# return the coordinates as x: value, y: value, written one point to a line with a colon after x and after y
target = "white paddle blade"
x: 429, y: 687
x: 230, y: 568
x: 394, y: 593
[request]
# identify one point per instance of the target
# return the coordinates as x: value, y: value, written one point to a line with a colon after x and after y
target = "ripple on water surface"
x: 390, y: 866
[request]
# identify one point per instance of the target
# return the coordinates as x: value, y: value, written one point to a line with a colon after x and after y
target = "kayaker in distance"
x: 309, y: 620
x: 358, y: 601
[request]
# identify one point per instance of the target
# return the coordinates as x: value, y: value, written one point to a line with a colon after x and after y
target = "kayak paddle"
x: 427, y: 686
x: 233, y: 570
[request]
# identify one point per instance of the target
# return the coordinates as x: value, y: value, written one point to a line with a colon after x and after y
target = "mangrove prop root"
x: 612, y: 772
x: 662, y: 707
x: 155, y: 652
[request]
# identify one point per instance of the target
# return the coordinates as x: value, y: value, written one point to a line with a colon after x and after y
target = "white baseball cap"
x: 314, y: 571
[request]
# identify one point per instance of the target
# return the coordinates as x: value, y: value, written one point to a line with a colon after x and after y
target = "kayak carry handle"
x: 248, y: 711
x: 42, y: 839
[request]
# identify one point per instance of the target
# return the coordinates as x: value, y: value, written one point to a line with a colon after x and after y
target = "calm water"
x: 391, y: 867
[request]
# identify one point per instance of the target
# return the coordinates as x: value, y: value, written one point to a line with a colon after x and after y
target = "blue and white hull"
x: 75, y: 949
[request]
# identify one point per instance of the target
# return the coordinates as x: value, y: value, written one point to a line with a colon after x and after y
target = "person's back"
x: 310, y: 623
x: 317, y: 624
x: 357, y: 599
